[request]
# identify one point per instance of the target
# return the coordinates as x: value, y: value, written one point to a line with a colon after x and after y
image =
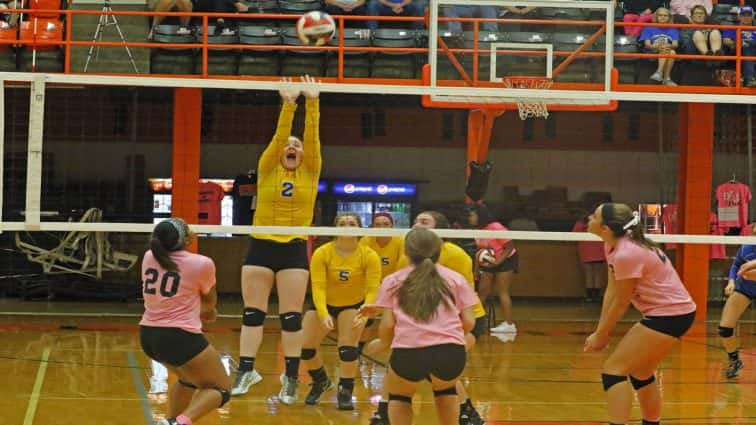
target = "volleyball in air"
x: 316, y: 28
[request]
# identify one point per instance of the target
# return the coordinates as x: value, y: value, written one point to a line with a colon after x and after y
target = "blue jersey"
x: 664, y: 35
x: 745, y: 254
x: 746, y: 37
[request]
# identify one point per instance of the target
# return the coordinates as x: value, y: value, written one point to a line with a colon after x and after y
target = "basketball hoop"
x: 529, y: 107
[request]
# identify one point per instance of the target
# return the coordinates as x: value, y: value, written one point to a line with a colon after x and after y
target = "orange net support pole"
x: 694, y: 188
x: 187, y: 120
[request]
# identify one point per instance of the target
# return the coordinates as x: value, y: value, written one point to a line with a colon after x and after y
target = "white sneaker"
x: 656, y: 76
x: 505, y: 337
x: 288, y: 393
x: 244, y: 380
x: 505, y: 327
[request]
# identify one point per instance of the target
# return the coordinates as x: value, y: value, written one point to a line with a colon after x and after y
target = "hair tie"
x: 180, y: 229
x: 633, y: 221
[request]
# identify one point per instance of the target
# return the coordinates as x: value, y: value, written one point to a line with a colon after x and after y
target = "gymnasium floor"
x: 80, y: 363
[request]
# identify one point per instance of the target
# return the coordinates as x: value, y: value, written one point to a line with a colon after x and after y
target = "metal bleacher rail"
x: 33, y: 41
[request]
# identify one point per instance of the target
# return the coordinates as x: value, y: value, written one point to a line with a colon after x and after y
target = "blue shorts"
x: 746, y: 287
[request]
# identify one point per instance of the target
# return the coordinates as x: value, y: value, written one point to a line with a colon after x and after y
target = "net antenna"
x: 107, y: 19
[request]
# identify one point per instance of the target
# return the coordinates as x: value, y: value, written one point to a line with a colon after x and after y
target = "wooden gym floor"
x: 80, y: 363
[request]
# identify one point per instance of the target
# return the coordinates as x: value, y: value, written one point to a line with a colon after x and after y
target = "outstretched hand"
x: 311, y: 89
x: 288, y: 93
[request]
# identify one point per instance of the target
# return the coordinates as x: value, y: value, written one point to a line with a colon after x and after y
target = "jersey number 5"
x: 288, y: 189
x: 343, y: 275
x: 169, y: 284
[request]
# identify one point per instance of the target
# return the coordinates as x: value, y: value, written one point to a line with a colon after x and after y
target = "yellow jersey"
x: 389, y: 254
x: 339, y: 280
x: 455, y: 258
x: 287, y: 198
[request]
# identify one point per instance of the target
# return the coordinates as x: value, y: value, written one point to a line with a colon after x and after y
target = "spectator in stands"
x: 346, y: 7
x: 395, y: 8
x: 518, y: 10
x: 639, y: 11
x: 704, y: 41
x: 662, y: 40
x: 748, y: 45
x: 221, y: 6
x: 170, y: 6
x: 682, y: 9
x: 471, y: 11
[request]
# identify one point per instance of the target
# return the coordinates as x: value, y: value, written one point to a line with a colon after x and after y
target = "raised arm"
x: 312, y: 157
x: 272, y: 154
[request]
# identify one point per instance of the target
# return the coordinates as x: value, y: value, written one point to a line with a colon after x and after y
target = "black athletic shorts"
x: 480, y: 328
x: 510, y: 264
x: 277, y: 256
x: 335, y: 311
x: 446, y: 362
x: 675, y: 326
x: 171, y: 346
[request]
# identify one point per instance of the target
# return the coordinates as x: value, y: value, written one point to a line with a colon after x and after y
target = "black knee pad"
x: 640, y: 383
x: 291, y: 321
x: 253, y: 317
x: 448, y: 391
x: 348, y: 353
x: 187, y: 384
x: 726, y: 332
x: 225, y: 396
x: 611, y: 380
x: 308, y: 353
x: 401, y: 398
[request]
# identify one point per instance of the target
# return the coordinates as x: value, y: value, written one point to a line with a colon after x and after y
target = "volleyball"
x: 485, y: 257
x: 316, y: 28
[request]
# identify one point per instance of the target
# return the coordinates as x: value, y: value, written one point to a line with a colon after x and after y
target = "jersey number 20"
x: 169, y: 284
x: 288, y: 189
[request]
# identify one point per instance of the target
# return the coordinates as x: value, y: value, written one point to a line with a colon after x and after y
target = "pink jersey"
x: 716, y: 251
x: 498, y: 245
x: 589, y: 252
x: 659, y: 291
x: 669, y: 219
x: 732, y: 204
x: 445, y: 327
x: 172, y: 299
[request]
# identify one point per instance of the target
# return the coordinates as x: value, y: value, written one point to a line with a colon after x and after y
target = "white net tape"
x: 529, y: 107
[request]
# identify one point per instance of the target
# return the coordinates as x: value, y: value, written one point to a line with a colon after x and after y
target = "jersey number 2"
x: 169, y: 284
x: 288, y: 190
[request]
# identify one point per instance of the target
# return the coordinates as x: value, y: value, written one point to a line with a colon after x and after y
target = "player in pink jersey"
x: 499, y: 271
x: 179, y: 294
x: 427, y: 309
x: 639, y: 273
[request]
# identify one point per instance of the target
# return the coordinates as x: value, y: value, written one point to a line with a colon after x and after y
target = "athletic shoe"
x: 505, y: 327
x: 656, y: 76
x: 244, y: 380
x: 167, y: 422
x: 183, y: 31
x: 377, y: 419
x: 317, y: 388
x: 733, y: 370
x: 288, y: 393
x: 669, y: 82
x: 470, y: 416
x: 505, y: 337
x: 344, y: 399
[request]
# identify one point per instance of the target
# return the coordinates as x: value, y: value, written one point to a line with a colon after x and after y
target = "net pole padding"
x: 569, y: 59
x: 187, y: 120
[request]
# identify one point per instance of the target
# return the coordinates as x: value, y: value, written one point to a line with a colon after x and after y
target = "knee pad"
x: 726, y: 332
x: 448, y: 391
x: 400, y: 398
x: 187, y: 384
x: 348, y: 353
x: 611, y: 380
x: 291, y: 321
x: 225, y: 396
x: 308, y: 353
x: 640, y: 383
x: 253, y: 317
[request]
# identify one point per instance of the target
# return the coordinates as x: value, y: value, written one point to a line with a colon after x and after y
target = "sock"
x: 292, y: 367
x: 733, y: 356
x: 318, y: 375
x: 645, y: 422
x: 347, y: 383
x: 246, y: 364
x: 360, y: 346
x: 183, y: 420
x: 383, y: 409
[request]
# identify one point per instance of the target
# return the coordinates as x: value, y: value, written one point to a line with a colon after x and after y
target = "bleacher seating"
x: 220, y: 61
x: 394, y: 64
x: 300, y: 62
x: 356, y: 64
x: 172, y: 60
x: 259, y: 62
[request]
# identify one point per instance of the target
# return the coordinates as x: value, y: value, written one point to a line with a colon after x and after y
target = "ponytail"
x: 162, y: 256
x: 168, y: 236
x: 625, y: 222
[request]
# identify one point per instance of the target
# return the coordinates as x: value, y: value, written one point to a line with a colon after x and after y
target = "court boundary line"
x: 31, y: 408
x: 146, y: 407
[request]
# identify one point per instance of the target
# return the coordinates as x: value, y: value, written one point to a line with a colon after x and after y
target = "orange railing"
x: 70, y: 18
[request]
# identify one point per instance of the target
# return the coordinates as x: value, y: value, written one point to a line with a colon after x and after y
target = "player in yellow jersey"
x: 288, y: 174
x: 455, y: 258
x: 345, y: 274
